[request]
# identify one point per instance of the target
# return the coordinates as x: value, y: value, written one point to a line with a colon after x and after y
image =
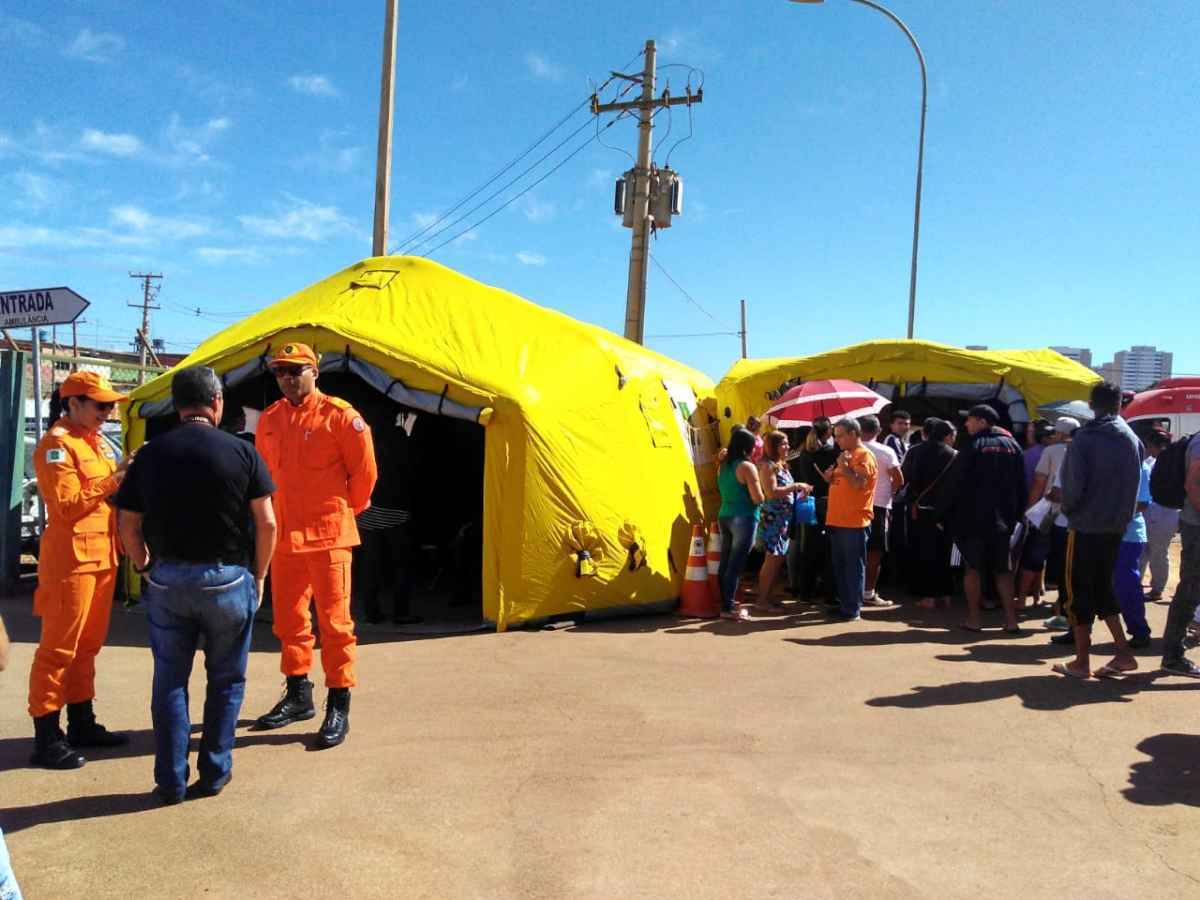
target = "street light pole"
x: 912, y: 279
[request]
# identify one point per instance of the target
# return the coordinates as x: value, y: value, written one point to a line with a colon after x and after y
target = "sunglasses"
x: 289, y: 371
x: 102, y: 407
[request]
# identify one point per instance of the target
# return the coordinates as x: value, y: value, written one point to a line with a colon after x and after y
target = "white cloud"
x: 212, y: 88
x: 248, y: 255
x: 140, y: 222
x: 189, y: 144
x: 332, y: 153
x: 21, y: 31
x: 425, y: 219
x: 537, y: 211
x: 95, y: 46
x: 601, y: 178
x: 37, y: 191
x: 314, y: 85
x: 23, y: 236
x: 300, y: 219
x: 124, y: 145
x: 528, y: 258
x: 541, y: 67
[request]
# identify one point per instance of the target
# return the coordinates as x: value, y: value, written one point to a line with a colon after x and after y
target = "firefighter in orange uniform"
x: 77, y: 474
x: 321, y: 457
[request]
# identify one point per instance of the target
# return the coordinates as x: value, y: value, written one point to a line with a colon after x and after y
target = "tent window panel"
x: 660, y: 419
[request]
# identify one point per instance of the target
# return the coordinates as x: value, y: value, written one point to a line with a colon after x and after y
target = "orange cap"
x: 89, y: 384
x: 294, y: 354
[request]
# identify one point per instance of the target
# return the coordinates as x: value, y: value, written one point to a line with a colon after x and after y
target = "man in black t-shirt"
x: 189, y: 506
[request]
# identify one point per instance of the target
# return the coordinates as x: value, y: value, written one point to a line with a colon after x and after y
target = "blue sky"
x: 233, y: 150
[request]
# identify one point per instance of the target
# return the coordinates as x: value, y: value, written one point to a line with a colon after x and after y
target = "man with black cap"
x: 186, y: 513
x: 982, y: 504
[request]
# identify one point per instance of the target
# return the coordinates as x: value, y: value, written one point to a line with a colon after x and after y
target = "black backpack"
x: 1168, y: 480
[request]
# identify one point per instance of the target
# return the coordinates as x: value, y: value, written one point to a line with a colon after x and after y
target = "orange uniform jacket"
x: 75, y: 478
x: 322, y: 460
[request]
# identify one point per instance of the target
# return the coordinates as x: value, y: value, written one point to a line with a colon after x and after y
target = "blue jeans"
x: 183, y: 602
x: 737, y: 539
x: 1187, y: 595
x: 848, y: 546
x: 9, y: 889
x: 1127, y: 585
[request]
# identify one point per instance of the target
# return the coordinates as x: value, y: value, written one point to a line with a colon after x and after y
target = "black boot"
x: 337, y: 719
x: 50, y: 747
x: 295, y: 706
x: 84, y: 731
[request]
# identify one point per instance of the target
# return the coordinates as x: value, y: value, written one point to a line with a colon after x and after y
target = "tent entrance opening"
x: 419, y: 568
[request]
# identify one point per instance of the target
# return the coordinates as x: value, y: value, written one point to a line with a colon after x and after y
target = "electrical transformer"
x: 666, y: 197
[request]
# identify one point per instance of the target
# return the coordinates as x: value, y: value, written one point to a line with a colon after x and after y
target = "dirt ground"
x: 652, y: 757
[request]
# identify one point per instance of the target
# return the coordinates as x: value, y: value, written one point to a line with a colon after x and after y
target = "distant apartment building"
x: 1137, y: 368
x: 1081, y: 355
x: 975, y: 347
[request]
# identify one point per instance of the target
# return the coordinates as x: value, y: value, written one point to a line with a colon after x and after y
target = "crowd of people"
x: 203, y: 516
x: 1073, y: 513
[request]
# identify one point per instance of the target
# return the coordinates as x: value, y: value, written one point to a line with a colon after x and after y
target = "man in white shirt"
x: 1042, y: 551
x: 1162, y: 524
x: 890, y: 480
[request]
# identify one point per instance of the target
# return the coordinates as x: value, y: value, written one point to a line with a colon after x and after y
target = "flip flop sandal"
x: 963, y: 626
x: 1062, y: 669
x: 1107, y: 671
x: 739, y: 615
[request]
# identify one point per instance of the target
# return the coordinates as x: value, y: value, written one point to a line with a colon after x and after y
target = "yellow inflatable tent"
x: 1022, y: 379
x: 590, y: 442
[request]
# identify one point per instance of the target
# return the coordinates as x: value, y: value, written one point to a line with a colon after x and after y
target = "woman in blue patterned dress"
x: 775, y: 515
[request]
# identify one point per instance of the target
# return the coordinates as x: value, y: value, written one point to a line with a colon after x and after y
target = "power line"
x: 521, y: 194
x: 416, y: 234
x: 496, y: 193
x: 441, y: 218
x: 692, y: 300
x: 702, y: 334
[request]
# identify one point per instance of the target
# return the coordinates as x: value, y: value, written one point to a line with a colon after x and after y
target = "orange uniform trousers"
x: 75, y: 610
x: 323, y: 576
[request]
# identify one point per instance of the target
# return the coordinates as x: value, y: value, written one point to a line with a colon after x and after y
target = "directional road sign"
x: 44, y: 306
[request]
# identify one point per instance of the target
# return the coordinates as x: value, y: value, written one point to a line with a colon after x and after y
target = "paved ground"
x: 645, y: 758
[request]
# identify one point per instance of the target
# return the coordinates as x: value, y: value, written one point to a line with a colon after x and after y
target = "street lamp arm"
x: 908, y: 34
x: 912, y: 282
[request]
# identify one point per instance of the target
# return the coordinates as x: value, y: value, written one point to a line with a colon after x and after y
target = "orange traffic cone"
x: 714, y: 562
x: 696, y: 600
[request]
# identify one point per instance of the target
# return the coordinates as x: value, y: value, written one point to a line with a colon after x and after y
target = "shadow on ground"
x: 1171, y: 774
x: 73, y: 809
x: 1048, y: 692
x: 14, y: 751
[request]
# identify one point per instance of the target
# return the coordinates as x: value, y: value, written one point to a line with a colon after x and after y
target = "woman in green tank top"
x: 741, y: 494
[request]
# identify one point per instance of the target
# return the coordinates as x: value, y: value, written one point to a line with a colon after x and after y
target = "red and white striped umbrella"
x: 835, y: 398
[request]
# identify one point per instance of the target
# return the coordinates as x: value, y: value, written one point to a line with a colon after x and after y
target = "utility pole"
x: 383, y: 159
x: 149, y: 292
x: 742, y: 333
x: 639, y: 254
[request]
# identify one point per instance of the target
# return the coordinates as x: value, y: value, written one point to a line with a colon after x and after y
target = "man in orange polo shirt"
x: 848, y: 518
x: 322, y: 460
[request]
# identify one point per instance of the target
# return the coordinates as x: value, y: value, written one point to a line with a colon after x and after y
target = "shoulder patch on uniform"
x: 358, y: 424
x: 338, y: 402
x: 56, y: 455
